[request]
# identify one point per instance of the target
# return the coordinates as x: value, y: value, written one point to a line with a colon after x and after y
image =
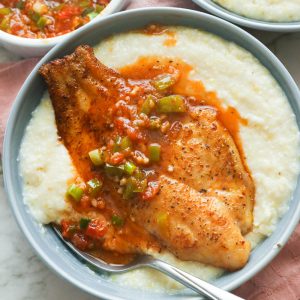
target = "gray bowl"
x: 44, y: 241
x: 223, y: 13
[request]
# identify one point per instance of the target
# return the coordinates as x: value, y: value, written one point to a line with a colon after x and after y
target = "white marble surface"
x: 22, y: 275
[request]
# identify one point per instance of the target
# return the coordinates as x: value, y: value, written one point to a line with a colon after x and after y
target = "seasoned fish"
x: 202, y: 207
x: 204, y: 156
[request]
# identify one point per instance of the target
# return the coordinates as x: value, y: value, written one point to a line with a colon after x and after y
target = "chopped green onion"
x: 84, y: 222
x: 117, y: 221
x: 97, y: 157
x: 84, y: 3
x: 125, y: 143
x: 148, y: 105
x: 94, y: 186
x: 117, y: 147
x: 163, y: 81
x: 5, y: 11
x: 138, y: 174
x: 161, y: 218
x: 34, y: 16
x: 114, y: 170
x: 20, y: 4
x: 93, y: 15
x: 171, y: 104
x: 122, y: 144
x: 75, y: 192
x: 155, y: 122
x: 154, y: 152
x: 133, y: 185
x: 4, y: 25
x: 87, y: 11
x: 42, y: 22
x: 129, y: 167
x: 99, y: 8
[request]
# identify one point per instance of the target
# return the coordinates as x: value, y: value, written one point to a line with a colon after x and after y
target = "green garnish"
x: 99, y: 8
x: 42, y: 22
x: 114, y: 170
x: 148, y: 105
x: 75, y: 192
x: 87, y: 11
x: 163, y: 81
x: 84, y: 222
x: 4, y: 25
x: 154, y: 152
x: 94, y: 187
x: 125, y: 143
x: 134, y: 185
x: 34, y: 16
x: 5, y: 11
x: 20, y: 4
x: 171, y: 104
x: 97, y: 157
x: 84, y: 3
x: 117, y: 221
x: 93, y: 15
x: 155, y: 122
x: 129, y: 167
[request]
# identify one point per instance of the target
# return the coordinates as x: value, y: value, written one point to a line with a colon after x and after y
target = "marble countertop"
x: 22, y: 275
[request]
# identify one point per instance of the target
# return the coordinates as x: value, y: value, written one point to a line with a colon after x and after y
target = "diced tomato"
x: 68, y: 11
x: 79, y: 241
x: 65, y: 225
x: 97, y: 228
x: 116, y: 158
x: 151, y: 190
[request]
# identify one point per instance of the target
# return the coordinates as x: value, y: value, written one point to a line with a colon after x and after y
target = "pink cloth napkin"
x: 280, y: 280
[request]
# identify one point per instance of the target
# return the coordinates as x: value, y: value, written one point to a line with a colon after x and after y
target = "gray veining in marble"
x: 22, y: 275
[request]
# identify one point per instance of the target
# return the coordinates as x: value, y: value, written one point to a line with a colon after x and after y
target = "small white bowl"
x: 232, y: 17
x: 26, y: 47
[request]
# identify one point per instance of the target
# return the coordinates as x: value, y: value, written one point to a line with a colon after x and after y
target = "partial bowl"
x: 46, y: 244
x: 232, y: 17
x: 26, y: 47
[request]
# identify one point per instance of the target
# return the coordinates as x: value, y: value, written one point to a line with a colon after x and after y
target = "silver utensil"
x: 184, y: 278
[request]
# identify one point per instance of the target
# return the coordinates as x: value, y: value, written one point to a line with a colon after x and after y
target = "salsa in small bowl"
x: 33, y: 27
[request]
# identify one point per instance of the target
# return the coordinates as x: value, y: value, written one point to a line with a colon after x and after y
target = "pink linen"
x: 280, y: 280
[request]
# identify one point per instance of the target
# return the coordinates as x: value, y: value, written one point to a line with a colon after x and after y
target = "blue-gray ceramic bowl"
x: 226, y: 14
x: 45, y: 242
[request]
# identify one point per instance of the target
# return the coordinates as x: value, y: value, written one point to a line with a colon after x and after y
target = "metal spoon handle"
x: 192, y: 282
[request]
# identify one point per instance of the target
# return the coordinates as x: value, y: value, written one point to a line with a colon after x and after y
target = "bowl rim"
x: 112, y: 7
x: 7, y: 157
x: 235, y: 18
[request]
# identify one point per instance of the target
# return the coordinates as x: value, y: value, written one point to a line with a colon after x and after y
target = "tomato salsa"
x: 39, y: 19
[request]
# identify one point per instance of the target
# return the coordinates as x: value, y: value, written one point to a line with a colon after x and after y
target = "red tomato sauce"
x: 39, y: 19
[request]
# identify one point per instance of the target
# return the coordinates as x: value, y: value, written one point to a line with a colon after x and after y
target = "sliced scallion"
x: 154, y: 152
x: 117, y: 220
x: 75, y: 192
x: 94, y: 187
x: 84, y: 223
x: 171, y: 104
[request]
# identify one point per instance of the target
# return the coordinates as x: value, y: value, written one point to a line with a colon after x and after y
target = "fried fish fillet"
x: 83, y: 90
x: 206, y: 158
x: 193, y: 226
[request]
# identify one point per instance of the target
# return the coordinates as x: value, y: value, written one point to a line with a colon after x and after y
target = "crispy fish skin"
x: 82, y: 91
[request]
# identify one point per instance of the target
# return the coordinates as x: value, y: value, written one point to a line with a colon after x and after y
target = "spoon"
x: 184, y: 278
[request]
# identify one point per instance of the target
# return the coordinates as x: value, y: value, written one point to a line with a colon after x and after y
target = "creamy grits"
x: 270, y: 139
x: 267, y: 10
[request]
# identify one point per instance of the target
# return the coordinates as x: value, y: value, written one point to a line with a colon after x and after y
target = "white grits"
x: 267, y: 10
x: 270, y: 140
